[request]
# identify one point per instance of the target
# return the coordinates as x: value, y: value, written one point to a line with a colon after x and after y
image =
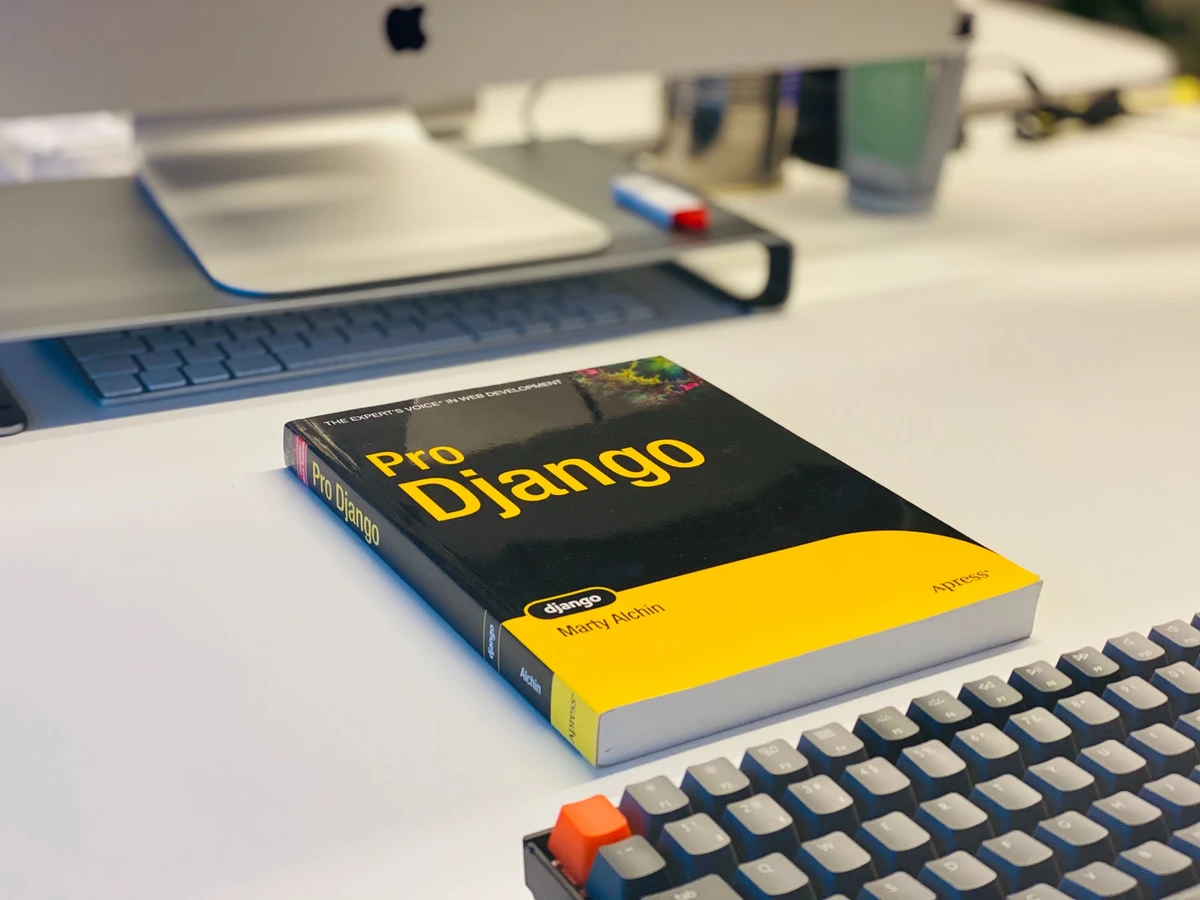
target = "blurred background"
x: 1177, y: 22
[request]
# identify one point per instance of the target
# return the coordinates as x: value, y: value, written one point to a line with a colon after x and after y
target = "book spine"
x: 430, y: 577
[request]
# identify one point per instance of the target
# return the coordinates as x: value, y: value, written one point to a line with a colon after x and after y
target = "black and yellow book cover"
x: 623, y: 535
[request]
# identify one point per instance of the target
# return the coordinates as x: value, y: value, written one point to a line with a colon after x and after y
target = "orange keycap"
x: 582, y: 829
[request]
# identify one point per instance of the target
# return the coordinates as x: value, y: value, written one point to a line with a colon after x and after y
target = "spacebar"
x: 359, y: 351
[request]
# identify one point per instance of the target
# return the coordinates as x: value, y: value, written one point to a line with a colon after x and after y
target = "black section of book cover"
x: 610, y: 477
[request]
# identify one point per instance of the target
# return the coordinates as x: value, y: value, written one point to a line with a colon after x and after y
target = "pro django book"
x: 648, y: 560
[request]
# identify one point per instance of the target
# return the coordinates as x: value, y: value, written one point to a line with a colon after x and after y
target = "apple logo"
x: 403, y: 27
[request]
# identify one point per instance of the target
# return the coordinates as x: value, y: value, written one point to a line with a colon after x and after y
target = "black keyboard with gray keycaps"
x: 1077, y: 778
x: 149, y: 363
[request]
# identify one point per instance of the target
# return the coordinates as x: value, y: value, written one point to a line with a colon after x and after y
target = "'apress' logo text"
x: 963, y: 581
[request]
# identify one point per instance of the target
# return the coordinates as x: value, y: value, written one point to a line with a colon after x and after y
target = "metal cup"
x: 898, y: 122
x: 728, y: 131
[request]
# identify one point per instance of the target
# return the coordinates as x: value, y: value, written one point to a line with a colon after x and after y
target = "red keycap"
x: 582, y: 829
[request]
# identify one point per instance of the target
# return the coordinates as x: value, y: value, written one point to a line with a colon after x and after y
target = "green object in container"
x: 889, y: 111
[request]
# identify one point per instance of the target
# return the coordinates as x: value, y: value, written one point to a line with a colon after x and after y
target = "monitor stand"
x: 287, y: 205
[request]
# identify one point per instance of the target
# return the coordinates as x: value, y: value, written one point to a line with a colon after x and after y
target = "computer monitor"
x: 264, y: 128
x: 169, y: 57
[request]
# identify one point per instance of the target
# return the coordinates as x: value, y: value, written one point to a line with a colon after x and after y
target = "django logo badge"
x: 569, y: 604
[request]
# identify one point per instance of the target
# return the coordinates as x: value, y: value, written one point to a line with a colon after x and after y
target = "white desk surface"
x: 210, y: 690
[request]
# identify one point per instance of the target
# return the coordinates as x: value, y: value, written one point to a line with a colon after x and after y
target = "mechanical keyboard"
x: 150, y: 363
x: 1075, y: 779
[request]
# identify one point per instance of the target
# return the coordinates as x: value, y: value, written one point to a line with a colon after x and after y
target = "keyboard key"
x: 1063, y: 785
x: 711, y: 786
x: 572, y: 322
x: 954, y: 823
x: 1181, y: 683
x: 1135, y: 654
x: 830, y: 749
x: 1010, y: 804
x: 206, y: 333
x: 206, y: 373
x: 435, y: 306
x: 878, y: 788
x: 162, y: 379
x: 774, y: 877
x: 1129, y: 819
x: 105, y: 366
x: 897, y: 886
x: 934, y: 770
x: 248, y: 366
x: 1042, y: 684
x: 1165, y: 750
x: 95, y: 345
x: 245, y: 329
x: 710, y: 887
x: 1177, y: 797
x: 649, y: 805
x: 1187, y: 842
x: 820, y: 806
x: 896, y: 843
x: 836, y: 865
x: 1090, y: 669
x: 940, y: 715
x: 80, y: 345
x: 988, y: 752
x: 168, y: 340
x: 960, y: 876
x: 1090, y: 719
x: 1180, y: 640
x: 771, y: 767
x: 759, y: 826
x: 1040, y: 736
x: 1076, y: 841
x: 205, y: 353
x: 581, y: 830
x: 1189, y: 725
x: 362, y: 330
x: 886, y: 732
x: 1159, y: 869
x: 602, y: 316
x: 991, y: 699
x: 167, y: 359
x: 1114, y: 766
x: 321, y: 338
x: 1039, y: 892
x: 234, y: 349
x: 1139, y: 704
x: 1019, y: 861
x: 293, y: 323
x: 113, y: 386
x: 278, y: 342
x: 444, y: 334
x: 1100, y: 881
x: 486, y: 328
x: 695, y: 847
x: 627, y: 870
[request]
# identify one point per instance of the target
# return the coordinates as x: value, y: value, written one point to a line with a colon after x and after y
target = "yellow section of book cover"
x: 693, y: 629
x: 574, y: 719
